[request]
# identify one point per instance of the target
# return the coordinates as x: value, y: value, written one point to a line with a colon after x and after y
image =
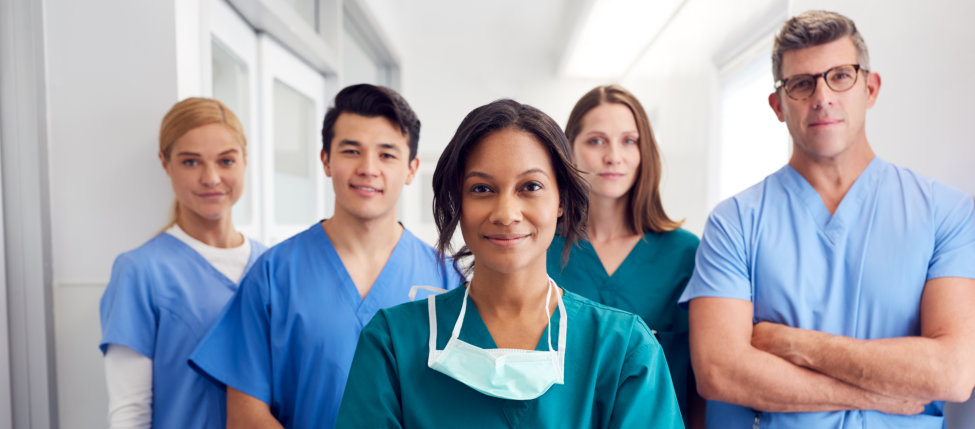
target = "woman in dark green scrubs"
x: 635, y: 258
x: 511, y: 349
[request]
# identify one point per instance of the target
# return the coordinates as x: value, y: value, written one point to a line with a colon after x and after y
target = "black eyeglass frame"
x: 856, y: 75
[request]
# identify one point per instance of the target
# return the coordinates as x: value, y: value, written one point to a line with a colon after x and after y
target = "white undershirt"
x: 128, y: 373
x: 230, y: 261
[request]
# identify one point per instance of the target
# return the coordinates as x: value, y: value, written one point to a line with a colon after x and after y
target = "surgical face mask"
x: 502, y: 373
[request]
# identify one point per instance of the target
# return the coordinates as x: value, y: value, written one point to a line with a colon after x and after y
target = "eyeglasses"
x: 839, y: 79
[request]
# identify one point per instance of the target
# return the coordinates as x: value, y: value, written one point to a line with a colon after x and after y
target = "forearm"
x: 729, y: 369
x: 247, y: 412
x: 759, y: 380
x: 936, y: 365
x: 128, y: 376
x: 922, y: 368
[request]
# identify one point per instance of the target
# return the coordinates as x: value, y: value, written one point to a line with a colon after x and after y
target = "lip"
x: 507, y: 240
x: 611, y: 175
x: 211, y: 196
x: 366, y: 190
x: 824, y: 122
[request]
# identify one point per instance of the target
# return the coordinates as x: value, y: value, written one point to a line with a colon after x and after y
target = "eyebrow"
x: 488, y: 176
x: 354, y: 143
x: 226, y: 152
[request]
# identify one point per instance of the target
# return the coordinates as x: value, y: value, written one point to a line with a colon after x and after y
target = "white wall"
x: 111, y: 77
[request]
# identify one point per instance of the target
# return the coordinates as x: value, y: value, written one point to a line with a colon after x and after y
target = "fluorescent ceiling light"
x: 610, y: 37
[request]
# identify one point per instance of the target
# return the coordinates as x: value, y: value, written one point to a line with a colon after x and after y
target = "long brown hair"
x: 645, y: 211
x: 191, y: 113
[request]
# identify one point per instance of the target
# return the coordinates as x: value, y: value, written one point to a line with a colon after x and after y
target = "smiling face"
x: 206, y: 168
x: 827, y: 124
x: 509, y: 202
x: 369, y: 164
x: 607, y: 150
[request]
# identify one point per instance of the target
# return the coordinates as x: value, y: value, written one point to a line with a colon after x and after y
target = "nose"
x: 210, y: 177
x: 506, y: 210
x: 612, y: 155
x: 368, y: 165
x: 822, y: 94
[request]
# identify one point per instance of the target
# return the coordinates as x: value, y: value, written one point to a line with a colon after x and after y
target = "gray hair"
x: 814, y: 28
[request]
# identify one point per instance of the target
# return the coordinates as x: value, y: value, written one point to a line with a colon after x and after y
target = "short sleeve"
x: 236, y: 352
x: 954, y: 245
x: 721, y: 264
x: 645, y: 379
x: 128, y: 314
x: 372, y: 395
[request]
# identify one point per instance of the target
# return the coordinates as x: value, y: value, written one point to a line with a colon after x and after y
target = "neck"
x: 510, y: 294
x: 833, y: 176
x: 358, y: 236
x: 212, y: 232
x: 607, y: 218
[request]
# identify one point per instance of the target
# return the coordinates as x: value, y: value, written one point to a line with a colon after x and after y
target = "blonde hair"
x: 189, y: 114
x: 645, y: 210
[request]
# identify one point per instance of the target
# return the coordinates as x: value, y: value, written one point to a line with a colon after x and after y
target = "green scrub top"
x: 615, y: 374
x: 647, y: 283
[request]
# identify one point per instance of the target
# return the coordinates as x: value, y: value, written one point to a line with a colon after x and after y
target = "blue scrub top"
x: 288, y: 336
x: 647, y: 283
x: 859, y: 272
x: 615, y: 374
x: 161, y: 300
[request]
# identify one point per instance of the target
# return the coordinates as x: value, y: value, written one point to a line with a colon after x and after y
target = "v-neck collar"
x: 837, y: 222
x: 604, y: 275
x: 378, y: 295
x: 199, y: 259
x: 475, y: 332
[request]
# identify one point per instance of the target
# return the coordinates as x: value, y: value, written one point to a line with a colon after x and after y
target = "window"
x: 752, y: 143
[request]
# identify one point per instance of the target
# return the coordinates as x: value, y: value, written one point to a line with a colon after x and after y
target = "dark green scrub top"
x: 647, y: 283
x: 615, y: 374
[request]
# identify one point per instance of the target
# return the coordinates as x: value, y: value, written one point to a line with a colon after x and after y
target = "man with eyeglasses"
x: 838, y: 292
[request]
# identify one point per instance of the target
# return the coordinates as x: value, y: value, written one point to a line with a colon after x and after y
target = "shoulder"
x: 419, y: 247
x: 678, y: 239
x: 257, y: 247
x: 158, y: 251
x: 292, y: 248
x: 604, y: 318
x: 909, y: 182
x: 424, y: 255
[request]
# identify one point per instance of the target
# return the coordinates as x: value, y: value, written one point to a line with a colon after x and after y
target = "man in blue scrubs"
x: 837, y: 292
x: 284, y: 345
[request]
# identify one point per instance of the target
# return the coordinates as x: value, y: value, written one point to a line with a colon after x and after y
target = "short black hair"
x: 372, y: 101
x: 448, y: 178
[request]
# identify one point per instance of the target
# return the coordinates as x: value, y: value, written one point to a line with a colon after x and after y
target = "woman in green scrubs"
x: 511, y: 349
x: 634, y: 258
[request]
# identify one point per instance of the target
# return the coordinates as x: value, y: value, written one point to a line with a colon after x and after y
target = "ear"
x: 328, y: 169
x: 776, y: 104
x: 560, y: 209
x: 413, y: 166
x: 164, y: 162
x: 873, y: 88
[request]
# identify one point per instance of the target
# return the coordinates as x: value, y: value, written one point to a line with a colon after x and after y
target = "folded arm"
x: 730, y: 369
x: 935, y: 366
x: 246, y: 411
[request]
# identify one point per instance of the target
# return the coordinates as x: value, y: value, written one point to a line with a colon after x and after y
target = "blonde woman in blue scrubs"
x: 635, y: 257
x: 511, y: 349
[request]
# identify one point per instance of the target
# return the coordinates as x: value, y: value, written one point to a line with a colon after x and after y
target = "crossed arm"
x: 777, y: 368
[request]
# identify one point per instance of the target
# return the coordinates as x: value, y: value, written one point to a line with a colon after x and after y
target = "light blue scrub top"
x: 858, y: 273
x: 288, y: 336
x: 647, y: 283
x: 615, y: 374
x: 161, y: 300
